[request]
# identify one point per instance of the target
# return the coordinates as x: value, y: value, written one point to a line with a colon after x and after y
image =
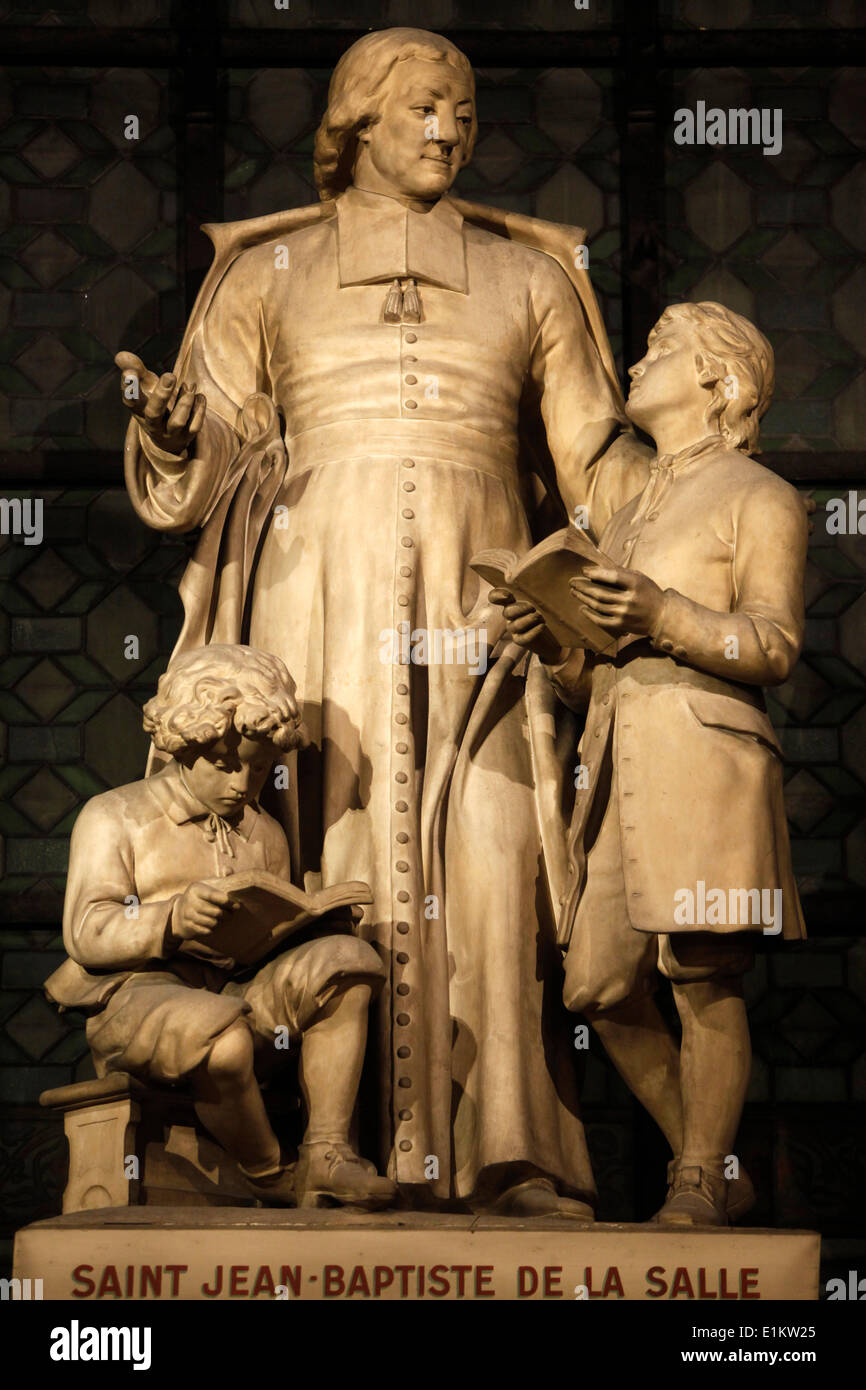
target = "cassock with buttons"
x: 401, y: 350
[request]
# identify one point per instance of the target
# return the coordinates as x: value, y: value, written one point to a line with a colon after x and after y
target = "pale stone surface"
x: 323, y: 1255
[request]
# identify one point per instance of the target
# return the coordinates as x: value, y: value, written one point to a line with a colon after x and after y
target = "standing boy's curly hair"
x: 731, y: 351
x: 210, y: 690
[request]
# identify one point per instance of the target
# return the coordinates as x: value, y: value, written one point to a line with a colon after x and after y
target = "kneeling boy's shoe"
x: 696, y: 1197
x: 329, y: 1172
x: 274, y: 1186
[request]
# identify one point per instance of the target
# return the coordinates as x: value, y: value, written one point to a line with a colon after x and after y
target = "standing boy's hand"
x: 198, y: 911
x: 526, y: 626
x: 620, y: 600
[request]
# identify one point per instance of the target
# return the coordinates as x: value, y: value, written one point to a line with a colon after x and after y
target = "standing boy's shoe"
x: 328, y: 1171
x: 696, y: 1197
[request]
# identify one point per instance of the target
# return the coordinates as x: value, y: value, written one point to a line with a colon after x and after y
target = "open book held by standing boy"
x: 678, y: 849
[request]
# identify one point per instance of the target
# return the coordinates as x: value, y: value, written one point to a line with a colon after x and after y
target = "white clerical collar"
x: 379, y: 238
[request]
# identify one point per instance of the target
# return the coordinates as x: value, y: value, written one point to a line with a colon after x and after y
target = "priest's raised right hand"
x: 170, y: 412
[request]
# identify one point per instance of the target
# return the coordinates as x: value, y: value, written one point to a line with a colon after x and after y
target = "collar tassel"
x: 403, y: 305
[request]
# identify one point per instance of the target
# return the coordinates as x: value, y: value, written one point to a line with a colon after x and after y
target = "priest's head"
x: 400, y: 118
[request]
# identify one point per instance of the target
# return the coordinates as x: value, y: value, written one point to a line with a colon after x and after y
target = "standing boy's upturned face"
x: 665, y: 378
x: 231, y: 772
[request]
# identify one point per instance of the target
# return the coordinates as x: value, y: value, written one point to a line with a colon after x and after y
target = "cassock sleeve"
x: 227, y: 359
x: 759, y: 640
x: 97, y: 932
x: 600, y: 464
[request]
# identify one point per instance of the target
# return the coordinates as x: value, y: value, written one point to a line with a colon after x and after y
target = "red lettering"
x: 551, y: 1273
x: 175, y: 1271
x: 358, y: 1283
x: 682, y: 1283
x: 264, y: 1282
x: 383, y: 1278
x: 654, y: 1277
x: 527, y: 1281
x: 482, y: 1273
x: 333, y: 1281
x: 461, y: 1271
x: 238, y: 1281
x: 440, y: 1279
x: 109, y: 1283
x: 404, y: 1271
x: 613, y: 1283
x: 723, y: 1282
x: 154, y: 1278
x: 79, y: 1274
x: 748, y: 1280
x: 290, y: 1276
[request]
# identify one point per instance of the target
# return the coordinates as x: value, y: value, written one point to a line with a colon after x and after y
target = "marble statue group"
x: 370, y: 391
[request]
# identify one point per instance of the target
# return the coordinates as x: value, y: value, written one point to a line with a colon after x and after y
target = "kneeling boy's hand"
x: 199, y: 910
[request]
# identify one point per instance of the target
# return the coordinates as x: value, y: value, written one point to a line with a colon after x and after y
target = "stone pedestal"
x: 149, y: 1252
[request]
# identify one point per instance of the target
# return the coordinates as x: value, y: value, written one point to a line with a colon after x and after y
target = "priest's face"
x: 229, y: 773
x: 423, y: 136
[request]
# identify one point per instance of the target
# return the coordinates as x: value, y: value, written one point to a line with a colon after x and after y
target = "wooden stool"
x: 136, y: 1145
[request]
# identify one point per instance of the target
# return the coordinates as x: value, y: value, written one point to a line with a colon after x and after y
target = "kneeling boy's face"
x: 231, y: 772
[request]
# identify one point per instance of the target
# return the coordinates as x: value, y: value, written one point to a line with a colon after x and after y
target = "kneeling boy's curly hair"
x: 210, y: 690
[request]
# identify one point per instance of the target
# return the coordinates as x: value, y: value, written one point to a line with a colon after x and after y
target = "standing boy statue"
x: 141, y: 904
x: 678, y: 849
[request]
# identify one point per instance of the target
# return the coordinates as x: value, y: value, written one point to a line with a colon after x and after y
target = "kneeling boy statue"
x: 144, y: 898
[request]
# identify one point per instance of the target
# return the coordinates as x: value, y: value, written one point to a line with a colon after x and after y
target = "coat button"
x: 679, y: 651
x: 400, y: 777
x: 401, y: 747
x: 403, y: 959
x: 411, y: 337
x: 401, y: 718
x: 401, y: 837
x: 411, y: 380
x: 403, y: 868
x: 405, y: 1145
x: 404, y: 1052
x: 402, y: 989
x: 408, y: 463
x: 403, y: 1020
x: 408, y: 487
x: 407, y: 541
x: 405, y: 1082
x: 407, y: 515
x: 667, y: 645
x: 403, y: 601
x: 402, y: 896
x: 405, y: 573
x: 405, y: 1114
x: 401, y: 806
x: 411, y: 405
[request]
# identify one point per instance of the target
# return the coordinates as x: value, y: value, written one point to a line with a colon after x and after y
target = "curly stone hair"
x: 729, y: 346
x: 355, y: 97
x: 207, y: 691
